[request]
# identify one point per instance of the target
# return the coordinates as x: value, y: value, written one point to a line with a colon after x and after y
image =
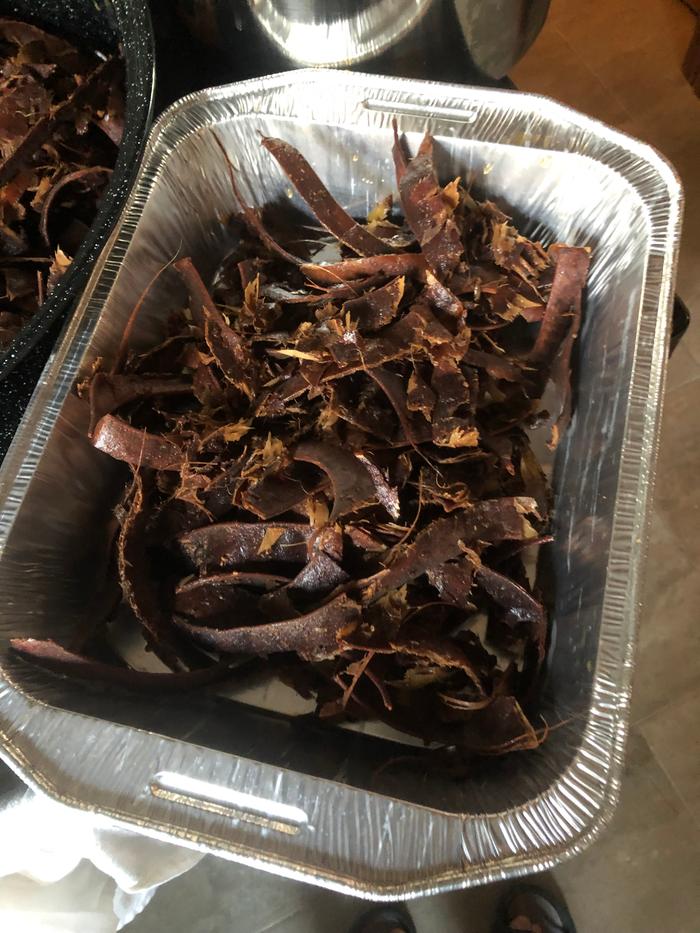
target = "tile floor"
x: 620, y: 61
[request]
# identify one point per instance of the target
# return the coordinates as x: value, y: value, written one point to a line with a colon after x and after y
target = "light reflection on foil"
x: 314, y: 32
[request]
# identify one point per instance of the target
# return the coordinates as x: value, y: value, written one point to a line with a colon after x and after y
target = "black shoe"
x: 387, y: 918
x: 529, y: 909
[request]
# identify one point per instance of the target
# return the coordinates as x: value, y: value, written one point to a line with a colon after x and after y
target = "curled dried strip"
x: 233, y: 544
x: 430, y: 212
x: 107, y: 392
x: 313, y: 636
x: 442, y: 298
x: 54, y: 657
x: 138, y: 448
x: 519, y: 606
x: 350, y: 481
x: 496, y: 366
x: 364, y: 414
x: 225, y: 344
x: 453, y: 580
x: 362, y: 539
x: 398, y: 341
x: 229, y: 353
x: 394, y: 264
x: 139, y: 589
x: 323, y: 296
x: 251, y: 216
x: 394, y: 389
x: 314, y: 582
x: 452, y: 420
x: 254, y: 579
x: 464, y: 704
x: 319, y: 576
x: 512, y: 596
x: 444, y: 539
x: 377, y: 308
x: 419, y: 396
x: 443, y: 654
x: 564, y: 302
x: 93, y: 176
x: 333, y: 217
x: 497, y: 728
x: 386, y: 494
x: 203, y: 597
x: 277, y: 494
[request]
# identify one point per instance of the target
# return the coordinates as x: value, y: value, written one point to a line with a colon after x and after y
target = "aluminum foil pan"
x: 238, y: 775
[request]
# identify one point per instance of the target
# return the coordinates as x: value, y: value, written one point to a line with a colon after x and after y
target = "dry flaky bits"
x: 61, y: 121
x: 331, y: 465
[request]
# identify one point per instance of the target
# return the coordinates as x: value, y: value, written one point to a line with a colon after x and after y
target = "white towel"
x: 44, y: 843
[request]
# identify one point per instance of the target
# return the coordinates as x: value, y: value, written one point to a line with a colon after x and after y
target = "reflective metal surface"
x: 499, y: 32
x: 317, y: 32
x: 413, y: 38
x: 239, y: 775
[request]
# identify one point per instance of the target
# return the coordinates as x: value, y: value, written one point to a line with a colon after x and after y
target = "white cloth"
x: 43, y: 843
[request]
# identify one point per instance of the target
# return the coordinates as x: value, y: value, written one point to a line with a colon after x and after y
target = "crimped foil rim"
x: 528, y: 837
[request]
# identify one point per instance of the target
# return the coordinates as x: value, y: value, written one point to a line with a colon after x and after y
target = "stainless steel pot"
x: 459, y: 39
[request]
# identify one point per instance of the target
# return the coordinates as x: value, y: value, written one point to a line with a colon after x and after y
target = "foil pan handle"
x: 230, y: 803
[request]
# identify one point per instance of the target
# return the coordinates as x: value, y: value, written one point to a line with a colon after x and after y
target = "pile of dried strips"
x: 331, y: 464
x: 61, y: 119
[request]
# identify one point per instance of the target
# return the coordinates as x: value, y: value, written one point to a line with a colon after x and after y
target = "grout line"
x: 664, y: 707
x: 612, y: 93
x: 578, y: 103
x: 685, y: 805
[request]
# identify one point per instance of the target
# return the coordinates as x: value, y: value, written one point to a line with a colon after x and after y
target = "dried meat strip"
x: 315, y: 635
x: 333, y: 217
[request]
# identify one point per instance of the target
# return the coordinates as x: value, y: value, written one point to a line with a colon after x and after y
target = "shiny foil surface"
x: 238, y: 775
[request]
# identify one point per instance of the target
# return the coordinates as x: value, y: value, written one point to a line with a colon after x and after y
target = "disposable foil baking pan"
x: 238, y: 775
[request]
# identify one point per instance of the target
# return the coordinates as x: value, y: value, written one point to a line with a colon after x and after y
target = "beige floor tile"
x: 554, y: 68
x: 458, y: 912
x: 597, y: 27
x: 669, y: 634
x: 683, y: 367
x: 673, y: 736
x: 663, y: 574
x: 688, y: 279
x: 223, y: 897
x: 666, y: 123
x: 632, y: 46
x: 676, y: 495
x: 642, y: 873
